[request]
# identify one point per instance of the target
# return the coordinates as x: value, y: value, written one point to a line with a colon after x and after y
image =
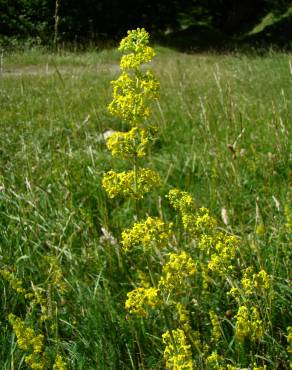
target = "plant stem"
x: 135, y: 168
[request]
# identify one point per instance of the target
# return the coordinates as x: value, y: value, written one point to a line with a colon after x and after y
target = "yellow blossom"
x: 132, y: 96
x: 152, y: 232
x: 256, y: 367
x: 260, y: 229
x: 136, y: 44
x: 59, y: 364
x: 38, y: 298
x: 262, y: 280
x: 176, y: 272
x: 13, y: 281
x: 29, y: 341
x: 134, y: 89
x: 288, y: 214
x: 220, y: 249
x: 133, y: 184
x: 55, y: 273
x: 129, y: 144
x: 136, y: 40
x: 134, y: 60
x: 206, y: 279
x: 251, y: 282
x: 216, y: 329
x: 177, y: 353
x: 248, y: 324
x: 213, y: 362
x: 184, y: 317
x: 131, y: 107
x: 141, y: 299
x: 181, y: 201
x: 194, y: 221
x: 289, y: 339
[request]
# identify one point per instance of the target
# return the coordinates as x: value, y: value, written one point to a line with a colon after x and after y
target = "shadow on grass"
x: 201, y: 38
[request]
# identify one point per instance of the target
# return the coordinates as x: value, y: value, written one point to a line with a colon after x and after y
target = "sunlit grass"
x: 225, y: 136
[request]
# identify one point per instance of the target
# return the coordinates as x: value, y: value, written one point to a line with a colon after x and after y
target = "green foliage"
x: 90, y: 22
x: 24, y: 19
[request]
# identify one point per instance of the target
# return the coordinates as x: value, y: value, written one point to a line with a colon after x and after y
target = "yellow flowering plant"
x: 31, y: 338
x: 177, y: 353
x: 248, y: 324
x: 30, y: 342
x: 133, y: 92
x: 196, y: 283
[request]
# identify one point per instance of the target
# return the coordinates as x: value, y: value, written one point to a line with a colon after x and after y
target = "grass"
x: 225, y: 136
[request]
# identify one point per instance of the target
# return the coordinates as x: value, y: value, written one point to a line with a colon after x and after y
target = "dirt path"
x: 46, y: 70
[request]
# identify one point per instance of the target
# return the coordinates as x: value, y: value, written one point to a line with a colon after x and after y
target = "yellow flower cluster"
x: 132, y: 94
x: 220, y: 249
x: 135, y: 60
x: 149, y: 84
x: 288, y: 214
x: 29, y: 341
x: 183, y: 317
x: 248, y: 324
x: 136, y: 43
x: 141, y: 83
x: 205, y: 274
x: 177, y: 353
x: 152, y: 232
x: 194, y: 222
x: 251, y: 283
x: 133, y: 184
x: 140, y: 299
x: 213, y: 362
x: 59, y: 364
x: 134, y: 88
x: 176, y: 272
x: 56, y: 274
x: 260, y: 229
x: 130, y: 107
x: 198, y: 223
x: 181, y: 201
x: 207, y: 255
x: 14, y: 282
x: 289, y: 340
x: 216, y: 329
x: 35, y: 296
x: 128, y: 144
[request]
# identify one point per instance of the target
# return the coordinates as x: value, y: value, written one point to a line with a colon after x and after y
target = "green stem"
x: 165, y: 314
x: 135, y: 167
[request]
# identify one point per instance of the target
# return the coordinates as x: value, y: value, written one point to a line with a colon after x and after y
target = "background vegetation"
x: 212, y: 23
x: 224, y: 136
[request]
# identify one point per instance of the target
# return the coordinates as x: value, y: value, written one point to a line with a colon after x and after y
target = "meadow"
x: 224, y: 136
